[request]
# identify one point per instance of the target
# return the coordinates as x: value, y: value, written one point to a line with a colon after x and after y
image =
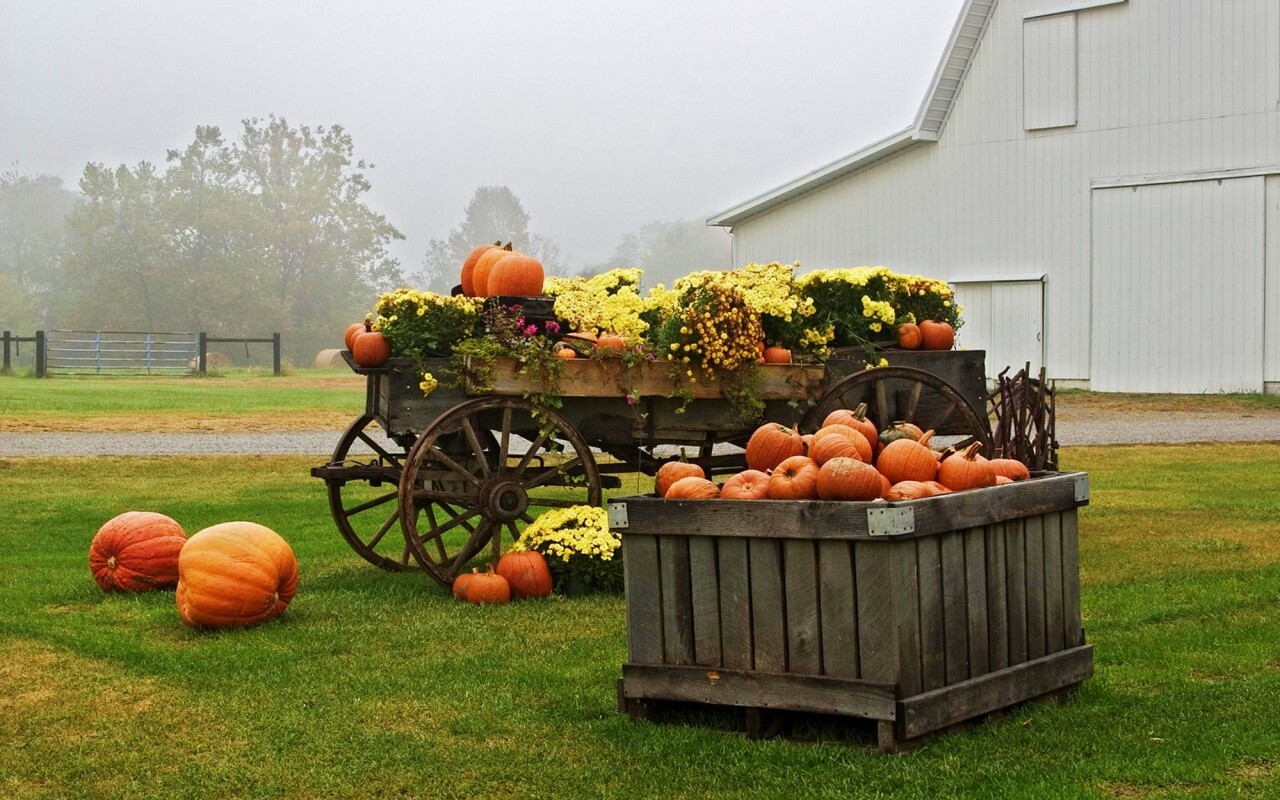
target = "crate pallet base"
x: 901, y: 723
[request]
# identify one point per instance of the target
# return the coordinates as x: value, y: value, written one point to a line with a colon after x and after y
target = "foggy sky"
x: 600, y: 116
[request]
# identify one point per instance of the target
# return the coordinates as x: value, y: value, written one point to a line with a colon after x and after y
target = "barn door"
x: 1178, y: 287
x: 1005, y: 318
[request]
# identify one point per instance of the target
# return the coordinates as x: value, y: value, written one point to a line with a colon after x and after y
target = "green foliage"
x: 33, y: 234
x: 425, y: 324
x: 507, y: 335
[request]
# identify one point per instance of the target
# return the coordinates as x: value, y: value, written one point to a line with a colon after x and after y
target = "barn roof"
x: 930, y: 119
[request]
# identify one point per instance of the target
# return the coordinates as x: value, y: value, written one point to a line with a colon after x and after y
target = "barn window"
x: 1049, y: 72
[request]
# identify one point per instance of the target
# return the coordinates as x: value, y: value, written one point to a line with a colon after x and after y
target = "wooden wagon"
x: 459, y: 469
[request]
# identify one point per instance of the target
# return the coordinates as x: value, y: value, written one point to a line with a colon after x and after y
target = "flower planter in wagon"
x: 918, y: 615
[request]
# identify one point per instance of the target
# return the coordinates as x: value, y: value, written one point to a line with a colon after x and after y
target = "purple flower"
x: 531, y: 330
x: 552, y: 327
x: 631, y: 399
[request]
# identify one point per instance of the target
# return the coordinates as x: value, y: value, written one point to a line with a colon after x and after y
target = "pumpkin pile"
x: 520, y: 575
x: 231, y: 575
x: 495, y: 270
x: 845, y: 459
x: 928, y: 335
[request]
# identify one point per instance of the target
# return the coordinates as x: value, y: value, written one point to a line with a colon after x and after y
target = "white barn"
x: 1100, y: 179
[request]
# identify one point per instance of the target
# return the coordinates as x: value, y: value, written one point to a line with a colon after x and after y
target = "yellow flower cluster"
x: 429, y: 384
x: 816, y: 339
x: 605, y: 303
x: 391, y: 304
x: 767, y: 289
x: 718, y: 330
x: 879, y: 311
x: 566, y: 532
x: 854, y: 276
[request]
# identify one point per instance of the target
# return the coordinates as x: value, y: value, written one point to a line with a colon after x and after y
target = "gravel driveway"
x: 1093, y: 429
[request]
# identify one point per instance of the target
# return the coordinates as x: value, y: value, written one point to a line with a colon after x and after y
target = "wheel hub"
x: 503, y: 500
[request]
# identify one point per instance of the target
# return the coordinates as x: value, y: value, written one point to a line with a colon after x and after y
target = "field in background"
x: 380, y: 685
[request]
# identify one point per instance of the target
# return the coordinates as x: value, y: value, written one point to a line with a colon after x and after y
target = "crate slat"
x: 735, y: 603
x: 975, y: 581
x: 804, y: 633
x: 839, y: 609
x: 768, y: 616
x: 677, y: 601
x: 705, y: 597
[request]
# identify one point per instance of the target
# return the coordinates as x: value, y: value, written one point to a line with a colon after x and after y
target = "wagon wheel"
x: 452, y: 508
x: 906, y: 394
x: 364, y: 507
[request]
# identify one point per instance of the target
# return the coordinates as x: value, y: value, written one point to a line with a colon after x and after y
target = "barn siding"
x: 991, y: 199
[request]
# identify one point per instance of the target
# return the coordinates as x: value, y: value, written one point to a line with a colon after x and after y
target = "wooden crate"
x: 918, y: 614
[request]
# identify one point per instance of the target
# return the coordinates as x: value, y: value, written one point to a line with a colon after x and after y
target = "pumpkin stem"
x: 924, y: 440
x: 368, y: 325
x: 860, y: 413
x: 507, y: 247
x: 971, y: 452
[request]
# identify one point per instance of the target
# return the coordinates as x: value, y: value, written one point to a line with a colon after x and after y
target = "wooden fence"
x: 124, y: 352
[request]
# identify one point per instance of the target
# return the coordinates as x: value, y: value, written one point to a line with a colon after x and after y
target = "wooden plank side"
x: 932, y: 624
x: 644, y: 599
x: 993, y: 691
x: 768, y: 612
x: 677, y: 602
x: 611, y: 378
x: 837, y: 605
x: 905, y: 588
x: 975, y: 567
x: 1053, y: 601
x: 1072, y: 632
x: 810, y: 693
x: 954, y: 612
x: 705, y: 597
x: 1016, y: 574
x: 997, y: 600
x: 735, y: 603
x: 800, y: 584
x: 1034, y: 526
x: 877, y: 636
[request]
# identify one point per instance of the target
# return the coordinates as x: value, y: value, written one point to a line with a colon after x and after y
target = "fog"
x: 600, y: 117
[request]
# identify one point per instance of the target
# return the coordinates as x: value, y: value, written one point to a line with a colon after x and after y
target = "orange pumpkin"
x: 909, y: 336
x: 908, y: 460
x: 610, y: 344
x: 136, y: 551
x: 235, y: 574
x: 353, y: 330
x: 777, y: 355
x: 693, y: 488
x: 460, y: 584
x: 469, y: 268
x: 885, y: 486
x: 484, y: 265
x: 566, y: 352
x: 488, y: 588
x: 771, y: 444
x: 911, y: 490
x: 1010, y: 468
x: 835, y: 446
x: 1002, y: 480
x: 937, y: 335
x: 796, y: 478
x: 860, y: 443
x: 526, y: 572
x: 848, y: 479
x: 673, y: 471
x: 749, y: 484
x: 856, y: 419
x: 371, y: 349
x: 517, y: 275
x: 963, y: 471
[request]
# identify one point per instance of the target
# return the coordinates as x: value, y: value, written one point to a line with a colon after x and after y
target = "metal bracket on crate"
x: 888, y: 521
x: 1082, y: 488
x: 617, y: 515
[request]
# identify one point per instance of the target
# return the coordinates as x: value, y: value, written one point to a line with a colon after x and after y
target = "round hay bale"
x: 329, y: 358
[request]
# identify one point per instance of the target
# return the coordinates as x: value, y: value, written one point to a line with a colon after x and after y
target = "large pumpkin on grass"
x: 235, y: 574
x: 469, y: 267
x: 772, y: 444
x: 136, y: 551
x: 526, y: 572
x: 484, y: 267
x: 517, y: 275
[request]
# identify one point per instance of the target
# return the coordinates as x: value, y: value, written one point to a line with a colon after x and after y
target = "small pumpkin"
x: 610, y: 344
x: 963, y: 471
x: 856, y: 419
x: 488, y: 588
x: 526, y: 572
x: 517, y: 275
x: 1002, y: 480
x: 353, y: 330
x: 749, y: 484
x: 909, y: 337
x: 848, y: 479
x: 771, y: 444
x: 459, y: 587
x: 136, y: 551
x: 796, y: 478
x: 885, y: 486
x: 776, y: 355
x: 469, y: 268
x: 235, y: 574
x: 371, y: 349
x: 693, y: 488
x: 566, y: 353
x: 911, y: 490
x: 1011, y: 468
x: 908, y: 460
x: 672, y: 471
x: 937, y: 335
x: 484, y: 265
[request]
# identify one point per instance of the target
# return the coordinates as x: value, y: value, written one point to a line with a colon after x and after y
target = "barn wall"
x: 992, y: 199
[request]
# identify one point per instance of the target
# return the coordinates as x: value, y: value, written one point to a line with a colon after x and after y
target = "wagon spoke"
x: 429, y: 496
x: 882, y: 404
x: 504, y: 448
x: 528, y: 456
x: 910, y: 414
x: 943, y: 417
x: 479, y: 538
x: 377, y: 501
x: 382, y: 531
x: 377, y: 448
x: 444, y: 458
x: 475, y: 446
x: 549, y: 474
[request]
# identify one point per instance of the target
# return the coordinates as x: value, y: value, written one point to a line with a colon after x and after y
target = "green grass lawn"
x: 380, y: 685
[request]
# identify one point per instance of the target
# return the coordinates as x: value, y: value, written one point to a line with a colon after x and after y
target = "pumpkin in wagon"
x: 771, y: 444
x: 516, y: 275
x: 234, y: 575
